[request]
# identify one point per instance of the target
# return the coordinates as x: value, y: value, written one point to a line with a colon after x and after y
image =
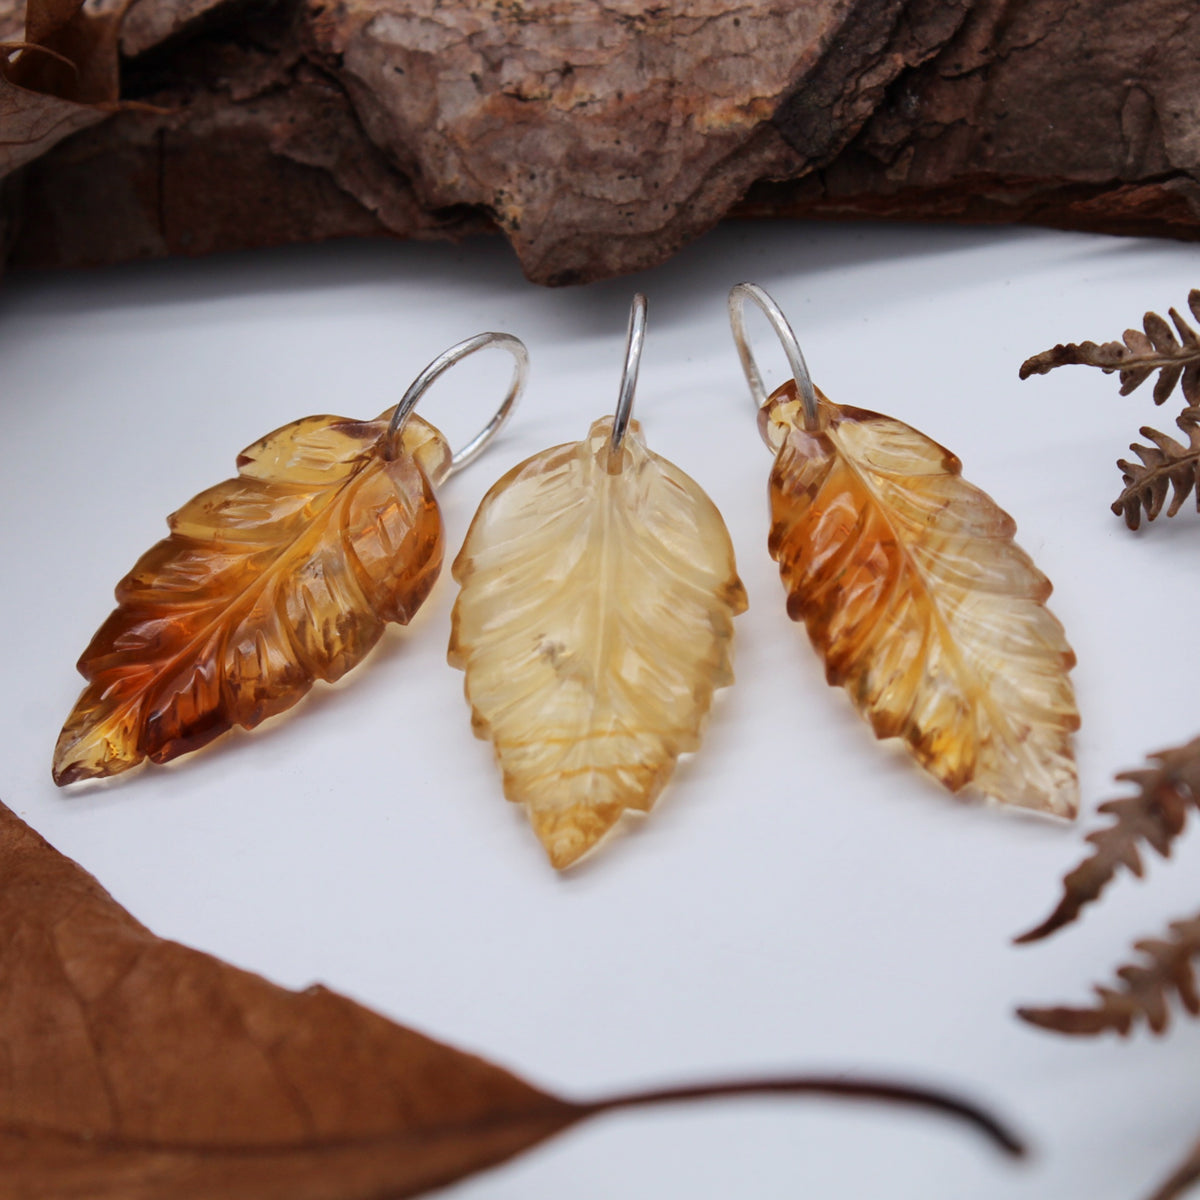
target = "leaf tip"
x: 1068, y: 910
x: 1044, y: 363
x: 1034, y: 1016
x: 567, y: 835
x: 1033, y: 935
x: 85, y: 751
x: 1077, y: 1022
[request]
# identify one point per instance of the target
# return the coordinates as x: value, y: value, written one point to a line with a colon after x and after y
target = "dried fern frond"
x: 1138, y: 356
x: 1165, y: 465
x: 1155, y: 815
x: 1181, y: 1179
x: 1144, y: 992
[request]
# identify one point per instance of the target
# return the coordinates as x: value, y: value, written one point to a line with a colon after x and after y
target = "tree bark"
x: 601, y: 138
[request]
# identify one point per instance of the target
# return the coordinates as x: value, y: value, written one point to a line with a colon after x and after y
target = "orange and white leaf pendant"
x: 286, y: 574
x: 594, y: 624
x: 920, y: 602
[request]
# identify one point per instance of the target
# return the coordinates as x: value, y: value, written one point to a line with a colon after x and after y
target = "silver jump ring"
x: 634, y: 340
x: 440, y: 366
x: 738, y: 295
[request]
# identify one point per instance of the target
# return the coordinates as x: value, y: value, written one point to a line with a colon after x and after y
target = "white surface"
x: 803, y: 896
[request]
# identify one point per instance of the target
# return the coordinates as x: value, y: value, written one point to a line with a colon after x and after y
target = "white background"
x: 803, y: 897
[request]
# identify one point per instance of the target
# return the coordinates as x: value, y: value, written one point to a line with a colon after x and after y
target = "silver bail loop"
x: 738, y: 295
x: 634, y: 340
x: 443, y: 363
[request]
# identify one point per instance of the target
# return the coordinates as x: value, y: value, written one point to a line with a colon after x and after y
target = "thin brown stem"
x: 8, y: 49
x: 830, y: 1085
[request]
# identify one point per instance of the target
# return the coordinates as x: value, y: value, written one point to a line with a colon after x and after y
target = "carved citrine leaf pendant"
x: 595, y: 622
x: 920, y: 603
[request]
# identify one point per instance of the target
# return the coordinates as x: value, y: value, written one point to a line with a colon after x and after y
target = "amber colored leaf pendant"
x: 286, y: 574
x: 283, y: 575
x: 918, y: 599
x: 594, y: 624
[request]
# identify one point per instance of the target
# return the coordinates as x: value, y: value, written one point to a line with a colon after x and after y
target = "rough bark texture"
x: 600, y: 138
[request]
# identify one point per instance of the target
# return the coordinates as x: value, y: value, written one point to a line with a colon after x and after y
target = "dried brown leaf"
x: 1187, y: 335
x: 131, y: 1066
x: 32, y: 122
x: 61, y: 79
x: 1144, y: 992
x: 1159, y: 333
x: 1165, y: 465
x: 1155, y: 815
x: 83, y: 67
x: 1191, y: 384
x: 1164, y: 385
x: 135, y: 1066
x: 1137, y: 357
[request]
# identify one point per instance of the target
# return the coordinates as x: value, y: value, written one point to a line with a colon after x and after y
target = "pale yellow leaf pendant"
x: 913, y: 590
x: 594, y: 624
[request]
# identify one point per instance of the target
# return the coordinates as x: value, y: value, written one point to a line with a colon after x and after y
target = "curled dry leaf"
x: 136, y: 1067
x: 1143, y: 993
x: 594, y: 624
x: 1166, y: 466
x: 1155, y: 815
x: 60, y: 79
x: 921, y: 604
x: 286, y: 574
x: 1138, y: 356
x: 32, y: 123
